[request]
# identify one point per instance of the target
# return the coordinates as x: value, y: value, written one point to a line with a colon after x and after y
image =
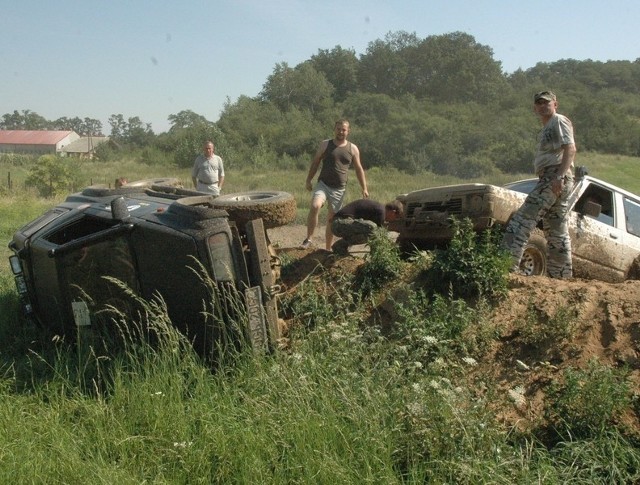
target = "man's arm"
x: 357, y: 166
x: 568, y: 154
x: 220, y: 173
x: 315, y: 163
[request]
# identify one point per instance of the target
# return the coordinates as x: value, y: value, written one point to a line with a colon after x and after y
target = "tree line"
x: 441, y: 104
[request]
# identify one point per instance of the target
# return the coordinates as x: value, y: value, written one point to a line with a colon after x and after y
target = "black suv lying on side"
x: 209, y: 259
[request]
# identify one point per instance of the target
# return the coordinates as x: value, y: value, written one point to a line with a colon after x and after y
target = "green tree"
x: 133, y: 131
x: 53, y: 176
x: 186, y: 119
x: 454, y: 68
x: 25, y: 120
x: 340, y: 68
x: 303, y: 87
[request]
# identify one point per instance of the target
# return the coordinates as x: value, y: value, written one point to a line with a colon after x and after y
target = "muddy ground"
x: 604, y: 320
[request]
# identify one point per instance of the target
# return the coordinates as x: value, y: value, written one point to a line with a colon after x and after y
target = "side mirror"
x: 581, y: 171
x: 119, y: 209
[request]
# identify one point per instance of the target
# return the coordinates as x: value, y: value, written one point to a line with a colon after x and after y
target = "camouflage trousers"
x: 353, y: 231
x: 542, y: 203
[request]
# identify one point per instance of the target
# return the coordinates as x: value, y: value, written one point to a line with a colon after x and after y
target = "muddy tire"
x: 634, y: 270
x: 273, y: 207
x: 534, y: 257
x: 198, y: 207
x: 131, y: 187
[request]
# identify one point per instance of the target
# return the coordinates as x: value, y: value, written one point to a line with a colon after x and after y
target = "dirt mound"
x: 543, y: 327
x: 574, y: 322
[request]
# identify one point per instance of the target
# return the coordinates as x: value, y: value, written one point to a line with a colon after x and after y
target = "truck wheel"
x: 100, y: 190
x: 634, y: 270
x: 534, y: 257
x: 273, y: 207
x: 196, y: 207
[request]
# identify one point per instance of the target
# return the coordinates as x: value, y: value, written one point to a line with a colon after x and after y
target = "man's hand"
x: 556, y: 186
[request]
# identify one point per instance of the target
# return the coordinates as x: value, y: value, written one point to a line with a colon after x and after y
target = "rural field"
x: 380, y: 379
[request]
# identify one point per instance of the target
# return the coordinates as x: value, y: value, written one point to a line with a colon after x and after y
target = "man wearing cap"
x: 553, y: 164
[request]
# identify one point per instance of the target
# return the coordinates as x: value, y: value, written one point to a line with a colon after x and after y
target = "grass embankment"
x: 344, y: 404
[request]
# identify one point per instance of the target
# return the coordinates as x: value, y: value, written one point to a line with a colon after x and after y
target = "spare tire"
x: 100, y: 190
x: 196, y: 207
x: 273, y: 207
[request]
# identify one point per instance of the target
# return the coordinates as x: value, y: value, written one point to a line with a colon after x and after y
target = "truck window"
x: 632, y: 216
x: 85, y: 267
x: 601, y: 196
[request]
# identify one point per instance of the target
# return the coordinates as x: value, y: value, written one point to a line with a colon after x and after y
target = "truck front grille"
x: 450, y: 207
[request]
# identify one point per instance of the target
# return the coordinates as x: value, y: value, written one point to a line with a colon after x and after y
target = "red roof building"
x: 36, y: 142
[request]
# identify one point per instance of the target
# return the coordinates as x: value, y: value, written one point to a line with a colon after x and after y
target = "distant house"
x: 85, y: 146
x: 36, y: 142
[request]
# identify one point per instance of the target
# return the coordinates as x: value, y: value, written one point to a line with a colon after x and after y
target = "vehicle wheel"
x: 197, y: 207
x: 273, y: 207
x: 534, y: 257
x: 634, y: 270
x: 131, y: 187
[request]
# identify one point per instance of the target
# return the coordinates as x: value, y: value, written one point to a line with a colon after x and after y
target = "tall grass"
x: 347, y: 402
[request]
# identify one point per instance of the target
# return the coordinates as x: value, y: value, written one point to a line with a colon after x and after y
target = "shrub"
x: 473, y: 265
x: 383, y: 263
x: 53, y: 176
x: 589, y: 400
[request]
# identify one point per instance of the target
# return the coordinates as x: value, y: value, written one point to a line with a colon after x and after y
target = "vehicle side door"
x: 631, y: 221
x: 597, y: 241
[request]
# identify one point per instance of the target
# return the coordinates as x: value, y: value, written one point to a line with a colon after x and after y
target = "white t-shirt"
x: 557, y: 132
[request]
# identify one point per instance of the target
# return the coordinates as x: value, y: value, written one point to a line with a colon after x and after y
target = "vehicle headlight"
x: 475, y: 203
x: 14, y: 261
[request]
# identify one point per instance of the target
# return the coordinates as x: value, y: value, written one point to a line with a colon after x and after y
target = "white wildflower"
x: 182, y: 444
x: 517, y: 396
x: 470, y: 361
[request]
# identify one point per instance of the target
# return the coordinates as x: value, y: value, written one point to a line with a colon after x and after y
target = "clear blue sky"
x: 154, y: 58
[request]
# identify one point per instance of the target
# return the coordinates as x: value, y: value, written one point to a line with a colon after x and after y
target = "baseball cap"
x: 548, y: 95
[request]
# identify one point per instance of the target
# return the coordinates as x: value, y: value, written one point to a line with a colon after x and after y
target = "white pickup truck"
x: 604, y: 223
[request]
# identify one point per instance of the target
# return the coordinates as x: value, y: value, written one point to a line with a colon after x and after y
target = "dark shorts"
x: 354, y: 231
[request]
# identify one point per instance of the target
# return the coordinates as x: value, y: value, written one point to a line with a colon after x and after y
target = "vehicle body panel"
x: 156, y: 244
x: 604, y: 246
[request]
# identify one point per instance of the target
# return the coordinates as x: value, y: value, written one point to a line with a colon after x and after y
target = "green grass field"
x: 340, y: 406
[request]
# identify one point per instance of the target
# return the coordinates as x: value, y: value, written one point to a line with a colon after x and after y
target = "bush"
x: 53, y: 176
x: 383, y: 263
x: 473, y: 265
x: 589, y: 400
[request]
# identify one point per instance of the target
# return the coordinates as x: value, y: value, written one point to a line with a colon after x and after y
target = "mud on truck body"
x: 209, y: 259
x: 604, y: 223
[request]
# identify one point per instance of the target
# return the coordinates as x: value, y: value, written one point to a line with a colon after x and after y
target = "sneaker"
x: 305, y: 244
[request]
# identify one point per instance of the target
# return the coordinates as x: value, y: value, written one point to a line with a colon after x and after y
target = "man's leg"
x: 518, y: 231
x: 557, y: 233
x: 317, y: 201
x: 328, y: 235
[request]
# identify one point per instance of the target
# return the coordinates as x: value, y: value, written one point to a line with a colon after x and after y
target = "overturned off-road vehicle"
x: 208, y: 259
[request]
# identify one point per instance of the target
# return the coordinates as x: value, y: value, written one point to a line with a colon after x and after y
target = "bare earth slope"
x: 600, y: 320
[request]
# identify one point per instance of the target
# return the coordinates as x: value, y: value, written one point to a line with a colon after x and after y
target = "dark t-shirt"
x: 335, y: 164
x: 366, y: 209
